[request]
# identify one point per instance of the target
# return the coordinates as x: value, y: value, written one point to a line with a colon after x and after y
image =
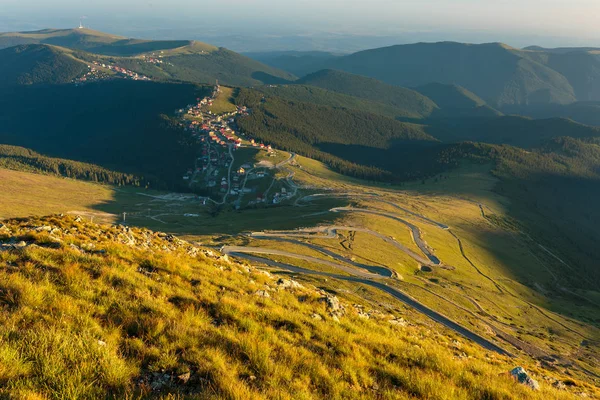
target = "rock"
x: 266, y: 273
x: 262, y: 293
x: 288, y: 284
x: 44, y: 228
x: 399, y: 321
x: 523, y: 377
x: 363, y: 314
x: 78, y: 219
x: 20, y: 244
x: 184, y: 378
x: 335, y: 308
x: 101, y: 343
x: 559, y: 385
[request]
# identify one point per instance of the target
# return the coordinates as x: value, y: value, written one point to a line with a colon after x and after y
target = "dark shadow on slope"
x: 120, y: 125
x: 168, y: 215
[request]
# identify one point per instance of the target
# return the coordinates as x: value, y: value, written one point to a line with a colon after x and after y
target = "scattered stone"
x: 78, y: 219
x: 262, y: 293
x: 263, y: 272
x: 45, y: 228
x: 398, y: 321
x: 101, y: 343
x: 559, y: 385
x: 523, y: 377
x: 316, y: 317
x: 335, y: 308
x: 288, y: 284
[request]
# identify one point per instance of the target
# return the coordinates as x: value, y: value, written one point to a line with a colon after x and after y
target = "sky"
x: 317, y: 24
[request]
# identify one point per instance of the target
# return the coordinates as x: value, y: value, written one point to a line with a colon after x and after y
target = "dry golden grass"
x: 90, y: 311
x: 23, y: 194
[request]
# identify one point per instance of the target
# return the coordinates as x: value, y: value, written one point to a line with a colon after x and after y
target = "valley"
x: 199, y: 224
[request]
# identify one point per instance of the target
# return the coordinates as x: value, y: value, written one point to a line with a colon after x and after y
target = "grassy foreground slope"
x: 94, y: 311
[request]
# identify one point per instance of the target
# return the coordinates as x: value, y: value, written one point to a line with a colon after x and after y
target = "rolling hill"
x: 299, y: 63
x: 410, y: 102
x: 456, y: 101
x: 38, y: 64
x: 183, y: 60
x: 585, y: 112
x: 495, y: 72
x: 511, y: 130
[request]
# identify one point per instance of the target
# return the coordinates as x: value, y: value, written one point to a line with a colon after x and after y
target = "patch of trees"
x: 22, y: 159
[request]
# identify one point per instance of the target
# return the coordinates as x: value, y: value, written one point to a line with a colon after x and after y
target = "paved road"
x: 380, y: 270
x: 237, y: 250
x: 330, y: 232
x: 375, y: 197
x: 416, y: 233
x: 396, y: 293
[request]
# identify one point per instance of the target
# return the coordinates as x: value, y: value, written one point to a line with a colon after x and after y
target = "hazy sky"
x: 517, y: 22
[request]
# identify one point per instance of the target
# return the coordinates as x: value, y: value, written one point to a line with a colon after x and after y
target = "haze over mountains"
x: 499, y: 74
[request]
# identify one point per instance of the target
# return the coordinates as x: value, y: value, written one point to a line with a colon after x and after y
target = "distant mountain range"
x: 497, y: 73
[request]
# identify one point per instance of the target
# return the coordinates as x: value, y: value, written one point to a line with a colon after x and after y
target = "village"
x: 100, y: 71
x: 231, y: 168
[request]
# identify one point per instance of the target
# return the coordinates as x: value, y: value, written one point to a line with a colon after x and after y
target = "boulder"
x: 521, y: 376
x: 262, y: 293
x: 335, y: 308
x: 288, y: 284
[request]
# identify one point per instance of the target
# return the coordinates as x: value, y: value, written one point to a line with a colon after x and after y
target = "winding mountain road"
x: 397, y: 294
x: 416, y: 233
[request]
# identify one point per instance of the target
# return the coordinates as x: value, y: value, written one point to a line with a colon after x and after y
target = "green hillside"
x: 456, y: 101
x: 586, y: 112
x: 182, y: 60
x: 35, y: 64
x: 339, y: 136
x: 512, y: 130
x: 316, y: 95
x: 299, y: 63
x: 410, y: 102
x: 119, y: 125
x: 495, y: 72
x: 22, y: 159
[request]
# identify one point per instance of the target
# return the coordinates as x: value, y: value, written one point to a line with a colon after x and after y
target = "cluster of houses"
x: 281, y: 195
x: 153, y: 60
x: 216, y: 136
x: 122, y: 72
x: 92, y: 75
